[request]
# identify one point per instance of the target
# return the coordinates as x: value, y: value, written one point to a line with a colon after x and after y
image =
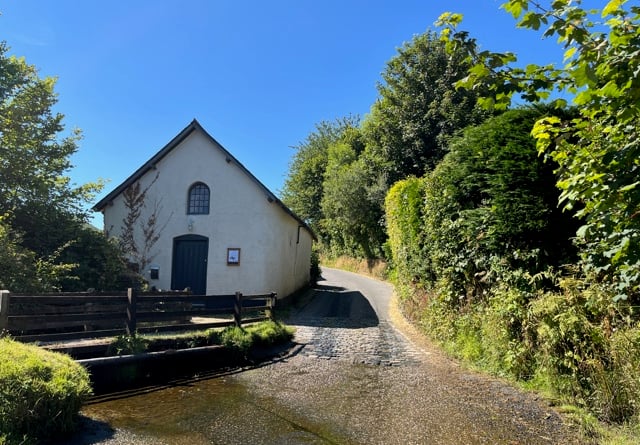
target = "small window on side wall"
x: 198, y: 199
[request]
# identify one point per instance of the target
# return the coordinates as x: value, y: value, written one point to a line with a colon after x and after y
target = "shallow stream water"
x: 220, y: 410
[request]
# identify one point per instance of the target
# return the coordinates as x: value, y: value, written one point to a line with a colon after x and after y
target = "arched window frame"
x: 198, y: 199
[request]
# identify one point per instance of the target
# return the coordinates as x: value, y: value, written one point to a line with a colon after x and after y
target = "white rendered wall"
x: 273, y: 257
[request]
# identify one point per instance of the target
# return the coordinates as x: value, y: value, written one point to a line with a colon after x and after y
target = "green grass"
x: 241, y: 340
x: 263, y: 334
x: 41, y: 393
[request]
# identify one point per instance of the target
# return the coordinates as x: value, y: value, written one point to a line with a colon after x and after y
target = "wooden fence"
x: 72, y: 316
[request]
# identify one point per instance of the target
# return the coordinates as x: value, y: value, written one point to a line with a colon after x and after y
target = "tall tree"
x: 419, y: 108
x: 350, y: 202
x: 41, y: 211
x: 303, y: 188
x: 35, y: 191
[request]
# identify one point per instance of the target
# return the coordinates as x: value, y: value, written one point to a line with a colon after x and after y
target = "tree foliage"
x: 488, y: 208
x: 404, y: 206
x: 351, y: 212
x: 35, y: 191
x: 340, y: 175
x: 303, y: 187
x: 41, y: 211
x: 419, y: 109
x: 598, y: 152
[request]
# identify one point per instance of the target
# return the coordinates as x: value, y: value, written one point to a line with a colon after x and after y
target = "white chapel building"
x: 219, y: 229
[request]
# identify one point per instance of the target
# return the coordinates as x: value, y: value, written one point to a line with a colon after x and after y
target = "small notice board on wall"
x: 233, y: 256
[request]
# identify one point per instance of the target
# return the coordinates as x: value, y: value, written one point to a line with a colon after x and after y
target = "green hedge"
x: 482, y: 254
x: 41, y: 392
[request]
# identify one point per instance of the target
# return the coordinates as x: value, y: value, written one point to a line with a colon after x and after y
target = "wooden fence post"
x: 132, y: 302
x: 4, y: 309
x: 237, y: 310
x: 271, y: 303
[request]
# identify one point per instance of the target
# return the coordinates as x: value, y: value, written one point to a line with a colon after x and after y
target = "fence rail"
x: 68, y: 316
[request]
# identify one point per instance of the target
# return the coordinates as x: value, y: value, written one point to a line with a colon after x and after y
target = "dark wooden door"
x: 189, y: 268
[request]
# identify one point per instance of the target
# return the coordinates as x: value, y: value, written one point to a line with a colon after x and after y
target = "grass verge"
x: 375, y: 268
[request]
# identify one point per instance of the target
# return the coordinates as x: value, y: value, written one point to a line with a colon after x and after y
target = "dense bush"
x: 403, y: 209
x: 41, y: 392
x: 588, y: 349
x: 573, y: 343
x: 488, y: 209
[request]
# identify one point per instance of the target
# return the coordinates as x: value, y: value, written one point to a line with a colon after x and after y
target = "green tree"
x: 41, y: 211
x: 419, y: 109
x: 491, y: 208
x: 35, y: 191
x: 99, y: 263
x: 598, y: 153
x: 15, y: 261
x: 303, y: 187
x: 350, y: 200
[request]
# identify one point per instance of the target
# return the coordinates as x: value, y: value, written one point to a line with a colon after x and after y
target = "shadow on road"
x: 333, y: 306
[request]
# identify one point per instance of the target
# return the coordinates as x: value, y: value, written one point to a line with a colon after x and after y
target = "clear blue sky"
x: 257, y: 75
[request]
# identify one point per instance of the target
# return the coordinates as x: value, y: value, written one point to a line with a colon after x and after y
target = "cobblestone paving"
x: 370, y: 342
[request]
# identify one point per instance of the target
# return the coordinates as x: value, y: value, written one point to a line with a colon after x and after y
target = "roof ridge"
x: 172, y: 144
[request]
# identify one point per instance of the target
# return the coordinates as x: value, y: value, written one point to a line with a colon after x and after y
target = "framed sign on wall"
x: 233, y: 256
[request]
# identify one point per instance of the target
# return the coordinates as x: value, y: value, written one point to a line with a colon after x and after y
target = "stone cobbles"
x: 365, y: 341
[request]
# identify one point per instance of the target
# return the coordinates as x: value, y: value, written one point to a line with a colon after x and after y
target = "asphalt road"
x: 335, y: 284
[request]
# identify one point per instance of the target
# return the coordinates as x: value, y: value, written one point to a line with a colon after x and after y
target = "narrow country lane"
x: 361, y: 381
x: 353, y: 378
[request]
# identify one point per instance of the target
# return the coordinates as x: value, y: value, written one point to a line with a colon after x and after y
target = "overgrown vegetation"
x: 514, y: 241
x: 128, y: 344
x: 242, y: 340
x: 41, y: 393
x: 341, y: 173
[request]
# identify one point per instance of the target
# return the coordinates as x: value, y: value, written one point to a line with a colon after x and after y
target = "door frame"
x: 174, y: 253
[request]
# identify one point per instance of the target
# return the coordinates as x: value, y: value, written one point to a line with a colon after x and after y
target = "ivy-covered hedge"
x: 41, y: 392
x: 404, y: 207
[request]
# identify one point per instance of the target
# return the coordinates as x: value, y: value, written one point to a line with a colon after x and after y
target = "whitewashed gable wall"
x: 275, y: 253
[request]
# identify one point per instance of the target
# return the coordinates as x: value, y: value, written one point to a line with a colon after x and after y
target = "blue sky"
x: 257, y: 75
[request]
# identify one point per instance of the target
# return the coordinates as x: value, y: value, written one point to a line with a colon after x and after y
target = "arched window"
x: 198, y: 199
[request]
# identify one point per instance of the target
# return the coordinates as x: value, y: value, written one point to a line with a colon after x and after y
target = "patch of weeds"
x: 264, y: 334
x: 236, y: 339
x: 213, y: 336
x: 588, y: 424
x: 128, y: 344
x: 270, y: 333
